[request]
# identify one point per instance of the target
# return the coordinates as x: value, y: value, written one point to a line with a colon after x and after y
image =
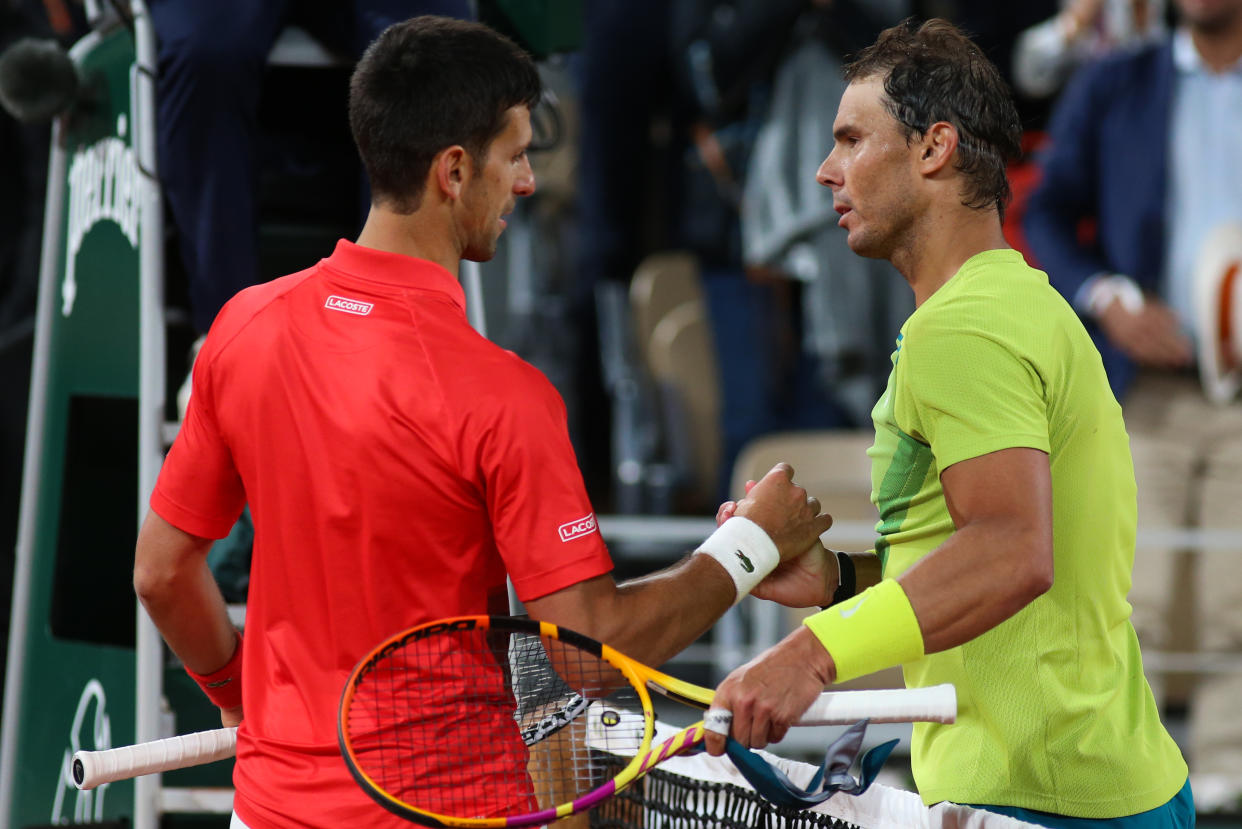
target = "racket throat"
x: 695, y: 701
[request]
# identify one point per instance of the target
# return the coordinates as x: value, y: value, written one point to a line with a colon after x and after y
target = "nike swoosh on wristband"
x: 746, y: 563
x: 847, y: 613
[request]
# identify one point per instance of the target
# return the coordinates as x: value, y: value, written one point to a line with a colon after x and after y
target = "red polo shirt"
x: 397, y: 465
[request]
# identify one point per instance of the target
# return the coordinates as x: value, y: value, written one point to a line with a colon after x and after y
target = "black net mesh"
x: 661, y: 800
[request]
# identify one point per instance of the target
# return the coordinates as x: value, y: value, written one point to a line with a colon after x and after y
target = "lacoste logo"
x: 578, y: 527
x: 746, y: 563
x: 848, y: 612
x: 349, y: 306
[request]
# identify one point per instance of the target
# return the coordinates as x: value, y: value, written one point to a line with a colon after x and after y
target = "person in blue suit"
x: 1143, y: 164
x: 211, y: 62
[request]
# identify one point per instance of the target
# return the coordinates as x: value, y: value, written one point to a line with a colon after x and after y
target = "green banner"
x: 77, y: 678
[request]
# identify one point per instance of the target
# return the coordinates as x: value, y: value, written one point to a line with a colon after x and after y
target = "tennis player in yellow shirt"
x: 1002, y: 475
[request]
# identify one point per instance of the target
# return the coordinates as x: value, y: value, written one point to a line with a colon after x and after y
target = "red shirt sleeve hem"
x: 543, y: 584
x: 187, y: 520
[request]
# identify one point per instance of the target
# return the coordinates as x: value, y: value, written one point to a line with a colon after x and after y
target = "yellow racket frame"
x: 639, y: 676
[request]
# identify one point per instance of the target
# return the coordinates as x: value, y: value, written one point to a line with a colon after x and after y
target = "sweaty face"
x: 496, y: 183
x: 870, y: 171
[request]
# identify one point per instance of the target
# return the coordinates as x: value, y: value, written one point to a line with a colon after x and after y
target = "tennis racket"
x: 619, y: 730
x: 490, y: 721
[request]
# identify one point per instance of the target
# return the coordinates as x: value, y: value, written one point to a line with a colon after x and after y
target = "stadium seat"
x: 682, y: 361
x: 661, y: 282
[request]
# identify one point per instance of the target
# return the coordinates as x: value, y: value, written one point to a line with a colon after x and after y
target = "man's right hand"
x: 782, y: 508
x: 1151, y: 335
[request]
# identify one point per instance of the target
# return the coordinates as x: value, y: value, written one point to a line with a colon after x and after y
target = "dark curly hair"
x: 934, y: 72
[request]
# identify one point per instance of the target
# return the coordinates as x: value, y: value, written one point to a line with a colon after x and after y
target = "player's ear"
x: 937, y: 147
x: 450, y: 169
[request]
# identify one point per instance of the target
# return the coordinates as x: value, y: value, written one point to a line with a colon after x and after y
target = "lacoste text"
x: 349, y: 306
x: 576, y: 529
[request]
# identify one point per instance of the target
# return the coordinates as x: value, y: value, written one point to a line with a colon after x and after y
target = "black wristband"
x: 848, y: 585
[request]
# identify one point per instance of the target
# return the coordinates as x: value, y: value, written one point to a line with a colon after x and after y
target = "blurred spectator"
x: 852, y: 307
x: 724, y: 54
x: 211, y: 62
x: 1046, y: 54
x: 1143, y: 163
x: 623, y: 189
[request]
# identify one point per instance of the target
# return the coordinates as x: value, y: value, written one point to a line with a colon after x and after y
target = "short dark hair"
x: 428, y: 83
x: 934, y: 72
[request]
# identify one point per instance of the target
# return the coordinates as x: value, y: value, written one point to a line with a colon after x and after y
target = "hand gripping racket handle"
x: 94, y: 768
x: 937, y: 703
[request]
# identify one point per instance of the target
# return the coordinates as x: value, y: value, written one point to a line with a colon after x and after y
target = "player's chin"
x: 857, y: 241
x: 865, y: 245
x: 480, y: 252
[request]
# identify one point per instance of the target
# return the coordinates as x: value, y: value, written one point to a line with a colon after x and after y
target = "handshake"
x: 769, y: 543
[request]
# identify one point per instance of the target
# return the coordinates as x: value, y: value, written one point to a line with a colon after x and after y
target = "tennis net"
x: 705, y: 792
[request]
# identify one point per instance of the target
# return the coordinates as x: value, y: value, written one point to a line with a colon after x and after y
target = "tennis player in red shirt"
x: 398, y: 465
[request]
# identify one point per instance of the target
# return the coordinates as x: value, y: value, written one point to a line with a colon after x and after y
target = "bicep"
x: 1012, y: 486
x: 1000, y: 557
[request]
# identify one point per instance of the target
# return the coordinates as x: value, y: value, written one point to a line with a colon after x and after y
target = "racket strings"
x: 569, y: 702
x: 478, y: 723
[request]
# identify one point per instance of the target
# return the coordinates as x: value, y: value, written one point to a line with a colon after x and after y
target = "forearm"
x: 650, y: 618
x: 980, y: 576
x: 653, y: 617
x: 983, y: 574
x: 180, y: 594
x: 193, y: 619
x: 671, y: 623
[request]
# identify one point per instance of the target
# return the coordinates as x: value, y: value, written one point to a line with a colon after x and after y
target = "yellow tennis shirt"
x: 1054, y: 711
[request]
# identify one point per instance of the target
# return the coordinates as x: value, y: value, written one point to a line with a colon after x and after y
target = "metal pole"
x: 149, y: 679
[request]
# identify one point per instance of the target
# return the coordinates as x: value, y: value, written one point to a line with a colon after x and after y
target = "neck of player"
x: 940, y: 243
x: 410, y: 235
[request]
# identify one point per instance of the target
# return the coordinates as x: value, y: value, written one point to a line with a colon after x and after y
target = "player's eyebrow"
x: 842, y: 131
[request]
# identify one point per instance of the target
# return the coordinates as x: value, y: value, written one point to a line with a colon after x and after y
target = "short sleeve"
x: 544, y: 525
x: 199, y: 490
x: 966, y: 394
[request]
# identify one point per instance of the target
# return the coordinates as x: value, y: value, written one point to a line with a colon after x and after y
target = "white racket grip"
x: 94, y: 768
x: 937, y: 703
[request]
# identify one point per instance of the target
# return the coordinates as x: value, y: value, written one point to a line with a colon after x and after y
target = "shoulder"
x: 481, y: 377
x: 997, y: 301
x: 245, y: 308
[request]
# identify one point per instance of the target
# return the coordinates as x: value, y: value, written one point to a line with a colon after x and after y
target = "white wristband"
x: 744, y: 550
x: 1108, y: 287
